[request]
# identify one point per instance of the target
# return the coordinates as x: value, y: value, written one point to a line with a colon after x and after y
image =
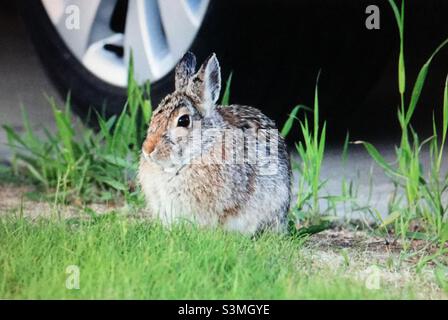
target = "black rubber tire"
x: 271, y: 73
x: 276, y: 49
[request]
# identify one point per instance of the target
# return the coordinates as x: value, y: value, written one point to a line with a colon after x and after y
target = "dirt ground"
x: 16, y: 199
x: 365, y: 256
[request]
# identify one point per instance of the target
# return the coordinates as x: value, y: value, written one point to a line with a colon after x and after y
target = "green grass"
x: 421, y: 189
x: 80, y: 164
x: 120, y: 258
x: 311, y: 152
x: 7, y: 176
x: 306, y: 215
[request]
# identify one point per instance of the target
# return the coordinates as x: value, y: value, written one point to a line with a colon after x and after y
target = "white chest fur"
x: 169, y: 196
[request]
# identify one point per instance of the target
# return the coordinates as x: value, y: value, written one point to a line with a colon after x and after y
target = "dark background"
x: 276, y: 48
x: 282, y: 45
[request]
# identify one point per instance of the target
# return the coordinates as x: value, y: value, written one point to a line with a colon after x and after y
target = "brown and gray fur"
x: 210, y: 193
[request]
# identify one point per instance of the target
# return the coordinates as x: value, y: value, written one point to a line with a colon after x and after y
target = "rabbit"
x: 187, y: 173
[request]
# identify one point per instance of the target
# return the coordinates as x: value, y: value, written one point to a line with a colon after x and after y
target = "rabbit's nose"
x: 150, y: 144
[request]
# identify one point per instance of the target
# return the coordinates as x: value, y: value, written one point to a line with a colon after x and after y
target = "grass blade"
x: 375, y: 154
x: 420, y: 82
x: 445, y: 123
x: 290, y: 122
x: 396, y: 14
x: 226, y: 97
x: 416, y: 92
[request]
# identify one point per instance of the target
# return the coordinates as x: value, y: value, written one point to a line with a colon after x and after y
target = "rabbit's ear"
x: 206, y: 84
x: 185, y: 70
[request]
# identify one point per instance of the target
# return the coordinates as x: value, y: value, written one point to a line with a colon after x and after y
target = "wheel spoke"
x: 75, y: 35
x: 144, y: 36
x: 179, y: 23
x: 157, y: 32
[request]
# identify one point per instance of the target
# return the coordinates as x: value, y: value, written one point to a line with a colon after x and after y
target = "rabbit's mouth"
x: 145, y: 155
x: 165, y: 165
x: 168, y: 167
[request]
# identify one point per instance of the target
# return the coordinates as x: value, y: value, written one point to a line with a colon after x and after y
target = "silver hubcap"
x: 157, y: 32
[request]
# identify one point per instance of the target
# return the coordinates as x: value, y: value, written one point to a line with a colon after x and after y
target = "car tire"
x: 73, y: 79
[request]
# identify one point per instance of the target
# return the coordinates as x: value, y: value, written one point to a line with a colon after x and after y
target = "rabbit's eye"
x: 183, y: 121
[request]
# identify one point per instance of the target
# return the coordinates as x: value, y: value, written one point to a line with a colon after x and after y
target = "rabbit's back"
x: 245, y: 117
x: 270, y: 182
